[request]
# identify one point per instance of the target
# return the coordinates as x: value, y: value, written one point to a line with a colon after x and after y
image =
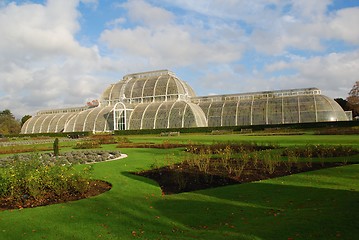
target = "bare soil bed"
x: 96, y: 187
x: 185, y: 178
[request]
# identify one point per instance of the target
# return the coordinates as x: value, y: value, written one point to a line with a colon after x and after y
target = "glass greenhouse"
x: 159, y: 100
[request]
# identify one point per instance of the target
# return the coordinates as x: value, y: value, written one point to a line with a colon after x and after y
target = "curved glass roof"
x: 147, y: 87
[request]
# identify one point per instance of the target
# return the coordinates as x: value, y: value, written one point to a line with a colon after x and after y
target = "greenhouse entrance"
x: 120, y: 113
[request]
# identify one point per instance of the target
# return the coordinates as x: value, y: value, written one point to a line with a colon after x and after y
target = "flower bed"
x: 222, y: 164
x: 73, y: 157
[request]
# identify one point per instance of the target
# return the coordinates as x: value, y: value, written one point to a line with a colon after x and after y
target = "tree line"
x: 9, y: 124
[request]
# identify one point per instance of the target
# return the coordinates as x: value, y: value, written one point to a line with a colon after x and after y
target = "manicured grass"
x: 315, y: 205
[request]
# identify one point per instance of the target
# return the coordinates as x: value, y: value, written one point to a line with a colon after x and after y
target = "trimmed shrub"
x: 56, y: 147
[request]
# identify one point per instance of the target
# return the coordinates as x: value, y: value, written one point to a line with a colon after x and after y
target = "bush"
x: 104, y: 139
x: 37, y: 179
x: 123, y: 140
x: 87, y: 144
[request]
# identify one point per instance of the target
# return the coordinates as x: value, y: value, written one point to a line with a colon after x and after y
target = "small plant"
x: 170, y: 160
x: 203, y: 162
x: 309, y: 162
x: 255, y: 159
x: 271, y: 161
x: 154, y: 165
x: 291, y: 160
x: 241, y: 164
x: 225, y: 155
x: 180, y: 179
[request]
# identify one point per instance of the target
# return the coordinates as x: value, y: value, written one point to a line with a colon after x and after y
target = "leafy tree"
x: 343, y: 103
x: 8, y: 123
x: 6, y: 112
x: 353, y: 99
x: 24, y: 119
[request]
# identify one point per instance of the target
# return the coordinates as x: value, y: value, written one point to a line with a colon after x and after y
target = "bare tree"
x: 353, y: 99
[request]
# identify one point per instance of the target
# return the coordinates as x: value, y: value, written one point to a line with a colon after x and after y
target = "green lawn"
x: 316, y: 205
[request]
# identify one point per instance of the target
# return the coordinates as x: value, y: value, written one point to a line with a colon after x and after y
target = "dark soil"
x: 184, y: 178
x: 96, y: 187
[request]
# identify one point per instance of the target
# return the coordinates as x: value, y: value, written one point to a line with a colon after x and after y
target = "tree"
x: 343, y: 103
x: 24, y: 119
x: 353, y: 99
x: 8, y: 113
x: 8, y: 123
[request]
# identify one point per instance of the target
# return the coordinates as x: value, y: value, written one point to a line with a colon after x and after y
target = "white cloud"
x: 42, y: 65
x: 163, y: 42
x: 278, y: 25
x: 247, y: 11
x: 116, y: 22
x: 309, y: 10
x: 334, y: 73
x: 345, y: 25
x: 147, y: 14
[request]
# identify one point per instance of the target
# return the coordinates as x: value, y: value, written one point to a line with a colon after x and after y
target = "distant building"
x: 159, y: 100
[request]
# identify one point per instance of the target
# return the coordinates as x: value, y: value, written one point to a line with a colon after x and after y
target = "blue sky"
x: 59, y: 53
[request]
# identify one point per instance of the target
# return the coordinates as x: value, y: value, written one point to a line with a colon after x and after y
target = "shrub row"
x: 320, y: 151
x: 238, y: 129
x: 236, y: 147
x: 317, y: 125
x: 62, y: 134
x: 338, y: 131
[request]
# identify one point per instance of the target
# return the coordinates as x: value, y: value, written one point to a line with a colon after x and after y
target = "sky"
x: 63, y: 53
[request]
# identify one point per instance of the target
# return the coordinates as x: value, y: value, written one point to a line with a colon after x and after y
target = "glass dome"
x: 154, y: 86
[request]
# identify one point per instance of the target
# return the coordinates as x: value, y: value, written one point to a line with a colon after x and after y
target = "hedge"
x: 317, y: 125
x: 62, y: 134
x: 314, y: 126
